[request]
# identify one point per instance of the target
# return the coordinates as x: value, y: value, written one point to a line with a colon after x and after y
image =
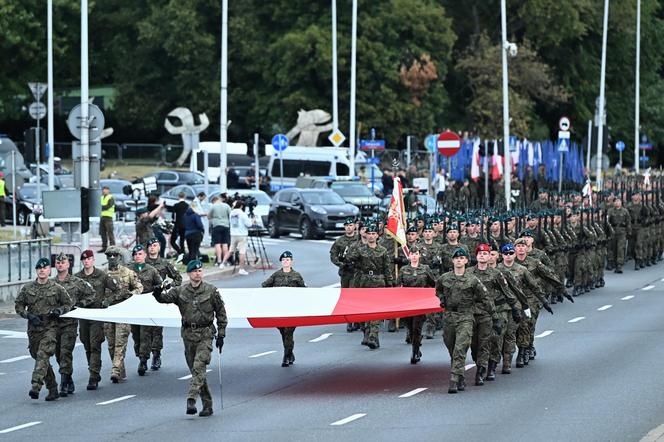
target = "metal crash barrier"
x: 18, y: 259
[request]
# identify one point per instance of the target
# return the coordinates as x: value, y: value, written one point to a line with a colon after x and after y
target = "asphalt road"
x: 595, y: 378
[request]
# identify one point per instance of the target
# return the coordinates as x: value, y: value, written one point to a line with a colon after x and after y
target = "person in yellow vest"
x: 3, y: 196
x: 106, y: 220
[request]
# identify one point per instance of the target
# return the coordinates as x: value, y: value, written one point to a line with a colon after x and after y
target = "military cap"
x: 428, y: 227
x: 194, y: 264
x: 372, y: 228
x: 531, y: 216
x: 451, y: 227
x: 520, y: 240
x: 141, y: 210
x: 543, y: 190
x: 286, y: 254
x: 459, y: 251
x: 87, y: 254
x: 137, y: 248
x: 506, y: 248
x: 482, y: 247
x: 494, y: 219
x: 474, y: 221
x: 43, y: 263
x: 411, y: 229
x: 62, y: 257
x: 113, y: 250
x: 152, y: 241
x: 414, y: 248
x: 526, y: 232
x: 348, y: 221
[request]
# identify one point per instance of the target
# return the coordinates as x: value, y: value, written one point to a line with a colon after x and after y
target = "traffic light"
x: 261, y: 148
x: 85, y: 209
x: 29, y: 152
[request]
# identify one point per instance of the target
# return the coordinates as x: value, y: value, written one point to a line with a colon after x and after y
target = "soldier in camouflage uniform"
x: 82, y: 295
x: 472, y: 237
x: 117, y: 334
x: 42, y: 302
x: 143, y: 335
x: 144, y: 230
x: 636, y: 240
x: 431, y: 255
x: 415, y: 275
x: 460, y: 294
x: 92, y: 332
x: 286, y: 277
x: 165, y: 270
x: 199, y: 304
x: 339, y: 250
x: 374, y: 267
x: 447, y: 250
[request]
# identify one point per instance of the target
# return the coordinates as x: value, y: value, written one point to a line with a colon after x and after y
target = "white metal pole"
x: 223, y: 123
x: 407, y: 150
x: 257, y: 173
x: 14, y: 191
x: 85, y: 135
x: 506, y: 109
x: 51, y: 93
x: 353, y: 63
x: 38, y: 158
x: 335, y: 91
x: 637, y: 97
x: 602, y: 80
x: 590, y: 145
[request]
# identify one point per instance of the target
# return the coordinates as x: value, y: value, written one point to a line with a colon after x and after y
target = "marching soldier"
x: 82, y: 295
x: 199, y: 303
x: 286, y: 277
x: 338, y: 253
x: 41, y: 302
x: 619, y: 219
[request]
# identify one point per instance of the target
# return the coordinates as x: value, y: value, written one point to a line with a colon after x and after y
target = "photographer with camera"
x: 240, y: 224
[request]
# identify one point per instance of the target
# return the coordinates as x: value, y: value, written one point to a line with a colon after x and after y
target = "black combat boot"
x: 461, y: 385
x: 156, y: 361
x: 409, y: 340
x: 637, y: 265
x: 206, y: 411
x: 429, y: 330
x: 532, y: 353
x: 372, y: 343
x: 34, y: 391
x: 291, y: 357
x: 92, y: 383
x: 553, y: 299
x: 70, y: 385
x: 507, y: 363
x: 648, y: 263
x: 519, y: 358
x: 453, y: 387
x: 63, y: 385
x: 365, y: 339
x: 285, y: 362
x: 526, y: 355
x: 392, y: 325
x: 618, y: 270
x: 577, y: 291
x: 491, y: 373
x: 609, y: 267
x: 601, y: 282
x: 349, y: 327
x: 479, y: 376
x: 415, y: 357
x: 142, y: 366
x: 191, y: 406
x: 52, y: 394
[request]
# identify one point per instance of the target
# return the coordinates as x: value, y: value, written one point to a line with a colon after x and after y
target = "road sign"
x: 513, y: 140
x: 280, y: 142
x: 37, y: 110
x: 448, y: 143
x: 337, y: 138
x: 620, y: 146
x: 96, y: 122
x: 430, y: 142
x: 372, y: 144
x: 37, y: 89
x: 563, y: 145
x: 564, y: 123
x: 564, y: 134
x: 373, y: 160
x: 645, y: 146
x: 644, y: 158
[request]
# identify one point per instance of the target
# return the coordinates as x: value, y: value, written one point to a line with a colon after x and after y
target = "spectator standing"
x: 240, y: 223
x: 388, y: 182
x: 440, y: 186
x: 177, y: 237
x: 220, y: 228
x: 193, y: 233
x: 105, y: 221
x: 201, y: 206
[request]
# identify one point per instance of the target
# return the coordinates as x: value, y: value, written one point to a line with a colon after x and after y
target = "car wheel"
x: 272, y: 227
x: 305, y: 229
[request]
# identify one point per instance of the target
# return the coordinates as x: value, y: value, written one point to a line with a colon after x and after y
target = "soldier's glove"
x: 166, y: 285
x: 34, y: 320
x: 400, y: 260
x: 497, y: 326
x: 348, y: 266
x: 157, y: 291
x: 219, y: 343
x: 568, y: 296
x: 55, y: 313
x: 105, y: 303
x: 547, y: 307
x: 516, y: 315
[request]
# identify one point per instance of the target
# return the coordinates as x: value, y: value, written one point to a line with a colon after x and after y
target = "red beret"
x: 87, y: 254
x: 482, y: 248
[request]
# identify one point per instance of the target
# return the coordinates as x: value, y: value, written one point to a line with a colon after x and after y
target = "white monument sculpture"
x: 189, y: 131
x: 310, y: 124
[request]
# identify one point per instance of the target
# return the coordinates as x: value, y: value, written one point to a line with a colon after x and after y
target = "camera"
x: 248, y: 202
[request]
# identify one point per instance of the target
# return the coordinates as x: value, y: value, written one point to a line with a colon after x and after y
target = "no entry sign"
x: 448, y: 143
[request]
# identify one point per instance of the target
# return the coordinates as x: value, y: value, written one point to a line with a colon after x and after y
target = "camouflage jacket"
x: 339, y: 250
x: 284, y: 279
x: 165, y: 269
x: 420, y: 276
x: 128, y: 284
x: 619, y: 219
x: 40, y: 299
x: 542, y: 273
x: 373, y: 266
x: 102, y: 285
x: 498, y: 288
x: 81, y: 293
x: 463, y: 294
x: 525, y: 280
x: 148, y: 275
x: 144, y: 230
x: 431, y: 255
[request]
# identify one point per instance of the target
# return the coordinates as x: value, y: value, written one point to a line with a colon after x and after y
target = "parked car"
x: 359, y: 195
x: 427, y: 203
x: 168, y: 179
x: 26, y: 203
x: 123, y: 202
x: 190, y: 191
x: 263, y: 202
x: 310, y: 212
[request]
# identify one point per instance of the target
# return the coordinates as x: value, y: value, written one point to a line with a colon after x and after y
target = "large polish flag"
x: 280, y: 307
x: 396, y: 217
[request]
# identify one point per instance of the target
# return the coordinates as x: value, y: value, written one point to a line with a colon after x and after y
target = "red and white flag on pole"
x: 475, y: 164
x: 396, y: 217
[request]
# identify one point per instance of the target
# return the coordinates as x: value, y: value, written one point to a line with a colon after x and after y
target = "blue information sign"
x: 280, y: 142
x: 372, y: 144
x: 620, y: 146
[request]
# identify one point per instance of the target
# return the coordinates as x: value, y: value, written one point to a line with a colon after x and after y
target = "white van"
x: 213, y: 148
x: 306, y: 161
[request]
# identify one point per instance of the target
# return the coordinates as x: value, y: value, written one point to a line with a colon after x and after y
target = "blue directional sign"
x: 374, y: 160
x: 644, y: 158
x: 563, y: 145
x: 280, y: 142
x: 620, y: 146
x: 372, y: 144
x: 430, y: 143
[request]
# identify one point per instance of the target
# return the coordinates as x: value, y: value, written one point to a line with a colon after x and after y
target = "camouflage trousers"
x: 457, y: 336
x: 64, y: 346
x: 147, y: 338
x: 92, y: 337
x: 525, y: 333
x: 580, y: 268
x: 618, y: 248
x: 287, y: 337
x: 637, y: 243
x: 198, y: 352
x: 479, y: 347
x: 117, y: 336
x: 414, y: 326
x: 41, y: 343
x: 496, y: 342
x: 371, y: 329
x: 509, y: 340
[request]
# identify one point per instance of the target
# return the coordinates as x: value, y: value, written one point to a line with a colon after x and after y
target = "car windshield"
x: 30, y: 192
x: 115, y: 186
x: 322, y: 198
x: 352, y: 190
x: 191, y: 178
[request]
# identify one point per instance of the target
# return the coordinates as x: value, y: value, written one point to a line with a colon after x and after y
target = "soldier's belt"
x: 194, y: 326
x: 373, y: 273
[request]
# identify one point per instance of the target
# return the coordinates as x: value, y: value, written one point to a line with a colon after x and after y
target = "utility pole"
x: 506, y: 108
x: 85, y: 119
x: 51, y: 93
x: 335, y: 92
x: 223, y: 123
x: 602, y: 81
x: 637, y: 97
x: 353, y: 67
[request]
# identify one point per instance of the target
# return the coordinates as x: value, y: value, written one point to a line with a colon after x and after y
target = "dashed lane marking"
x: 19, y: 427
x: 17, y: 358
x: 258, y: 355
x: 604, y: 307
x: 654, y: 435
x: 322, y: 337
x: 413, y: 392
x: 112, y: 401
x: 627, y: 298
x: 544, y: 334
x: 348, y: 419
x: 648, y: 287
x: 469, y: 366
x: 577, y: 319
x: 184, y: 378
x: 10, y: 334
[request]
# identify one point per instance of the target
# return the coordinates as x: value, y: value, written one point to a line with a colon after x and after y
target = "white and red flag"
x: 396, y: 217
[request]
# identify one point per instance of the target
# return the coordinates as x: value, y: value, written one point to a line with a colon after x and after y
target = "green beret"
x: 414, y: 248
x: 451, y: 227
x: 428, y: 227
x: 43, y: 263
x: 348, y: 221
x: 459, y: 251
x: 286, y: 254
x: 411, y: 229
x: 526, y: 232
x: 152, y: 241
x: 372, y: 228
x: 194, y: 264
x: 137, y: 248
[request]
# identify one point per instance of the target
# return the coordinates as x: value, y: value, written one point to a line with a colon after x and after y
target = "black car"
x: 26, y: 203
x: 167, y: 179
x: 310, y: 212
x: 123, y: 202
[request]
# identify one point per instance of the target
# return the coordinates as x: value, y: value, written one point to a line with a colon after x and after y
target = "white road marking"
x: 19, y: 427
x: 604, y: 307
x: 331, y: 286
x: 10, y: 334
x: 122, y: 398
x: 263, y: 354
x: 627, y: 298
x: 654, y: 434
x: 17, y: 358
x: 348, y: 419
x: 662, y: 279
x: 648, y: 287
x: 184, y: 378
x: 544, y: 334
x: 413, y: 392
x: 469, y: 366
x: 2, y: 374
x: 322, y: 337
x: 577, y: 319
